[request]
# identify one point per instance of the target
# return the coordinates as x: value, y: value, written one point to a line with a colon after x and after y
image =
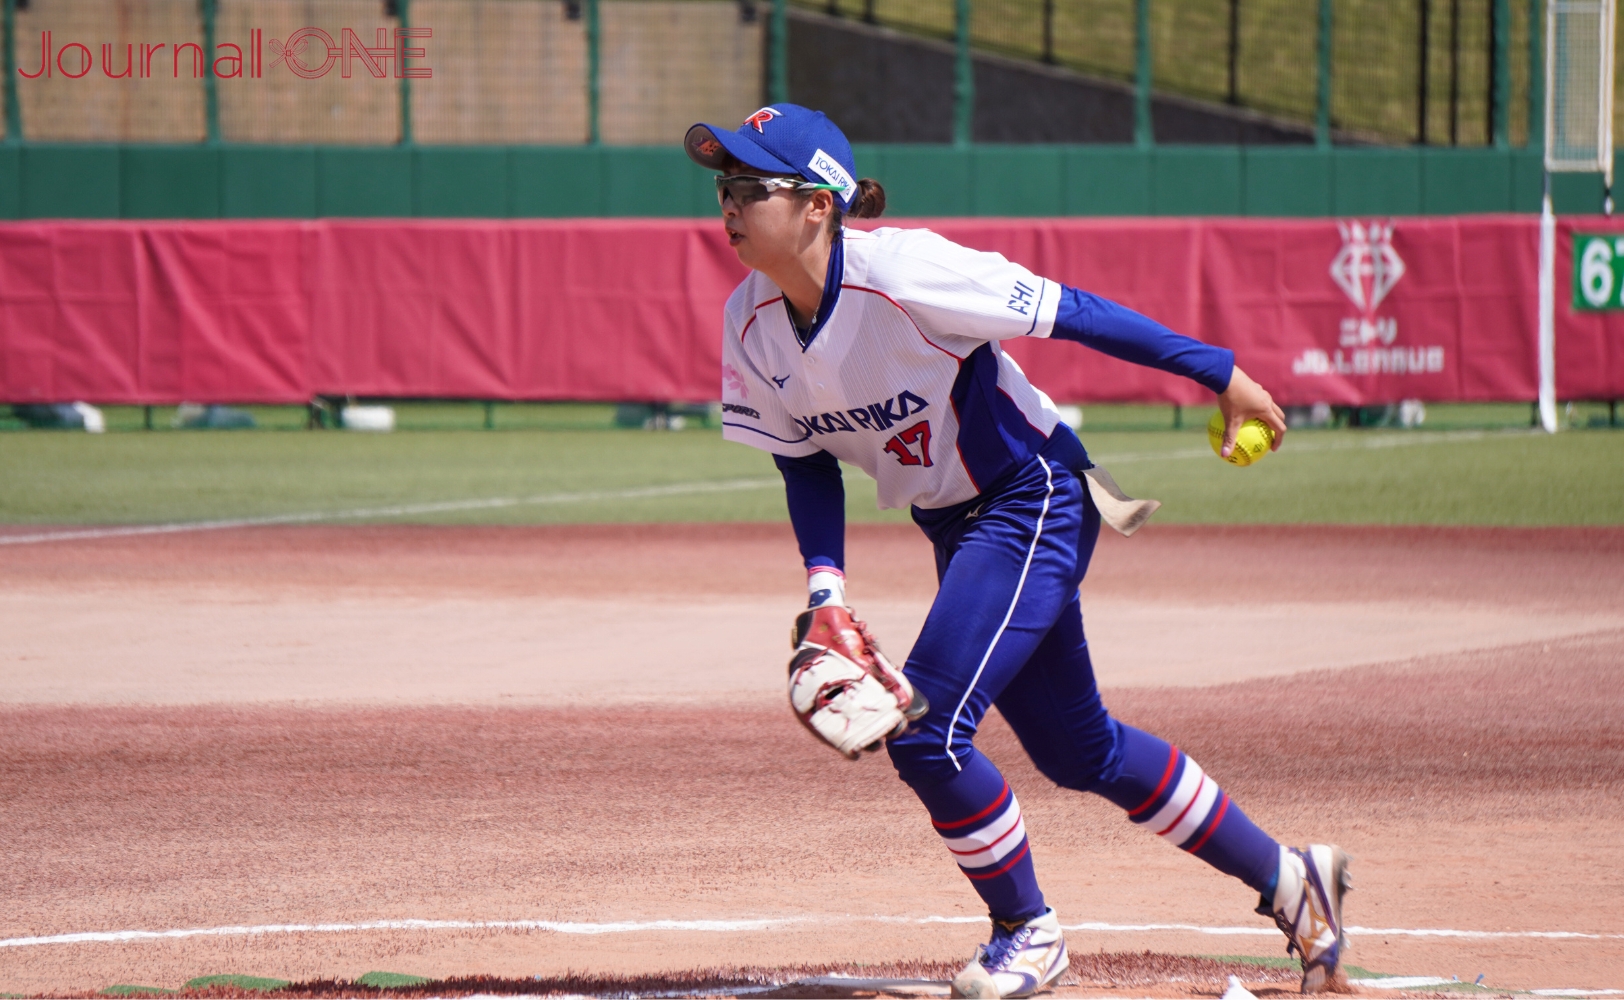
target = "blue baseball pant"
x: 1006, y: 629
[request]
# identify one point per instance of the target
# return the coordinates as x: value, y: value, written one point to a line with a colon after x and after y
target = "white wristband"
x: 825, y: 585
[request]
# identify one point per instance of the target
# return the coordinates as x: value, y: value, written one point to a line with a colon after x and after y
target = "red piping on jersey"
x: 875, y: 291
x: 1223, y: 806
x: 1022, y: 412
x: 1172, y: 762
x: 980, y: 815
x: 753, y: 312
x: 1012, y: 863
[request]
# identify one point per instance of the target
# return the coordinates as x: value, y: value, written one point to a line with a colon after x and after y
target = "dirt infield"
x: 1477, y: 786
x: 429, y: 615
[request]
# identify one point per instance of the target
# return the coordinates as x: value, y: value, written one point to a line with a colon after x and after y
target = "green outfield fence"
x: 237, y: 181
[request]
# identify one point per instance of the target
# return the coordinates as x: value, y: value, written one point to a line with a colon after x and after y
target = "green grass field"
x: 567, y: 464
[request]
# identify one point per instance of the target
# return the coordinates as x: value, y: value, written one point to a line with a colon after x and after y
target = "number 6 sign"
x: 1597, y: 281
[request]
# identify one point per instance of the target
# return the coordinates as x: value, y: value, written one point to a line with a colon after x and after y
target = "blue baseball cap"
x: 781, y: 139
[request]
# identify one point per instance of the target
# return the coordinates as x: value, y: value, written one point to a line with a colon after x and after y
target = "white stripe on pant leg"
x: 997, y: 852
x: 1183, y: 793
x: 1048, y: 475
x: 1204, y: 801
x: 992, y: 843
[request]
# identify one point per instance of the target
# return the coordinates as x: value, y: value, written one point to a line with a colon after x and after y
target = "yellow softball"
x: 1252, y: 441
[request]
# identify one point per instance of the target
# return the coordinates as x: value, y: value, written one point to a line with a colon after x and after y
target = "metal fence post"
x: 1536, y: 76
x: 1500, y: 70
x: 964, y: 77
x: 1144, y: 132
x: 8, y: 38
x: 778, y: 53
x: 593, y: 39
x: 1454, y: 72
x: 403, y: 10
x: 1233, y: 95
x: 1048, y: 31
x: 1322, y: 96
x: 1424, y: 60
x: 211, y: 89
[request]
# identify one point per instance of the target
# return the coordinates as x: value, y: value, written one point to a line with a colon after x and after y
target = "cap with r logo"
x: 781, y: 139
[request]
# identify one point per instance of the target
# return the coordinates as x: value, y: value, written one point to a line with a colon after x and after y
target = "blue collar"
x: 831, y: 295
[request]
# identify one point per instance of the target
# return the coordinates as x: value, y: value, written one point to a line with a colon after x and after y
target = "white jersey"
x: 904, y: 378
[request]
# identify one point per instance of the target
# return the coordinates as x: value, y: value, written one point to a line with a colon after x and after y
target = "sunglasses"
x: 746, y: 188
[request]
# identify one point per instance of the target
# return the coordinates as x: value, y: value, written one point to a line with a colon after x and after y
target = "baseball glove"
x: 842, y: 687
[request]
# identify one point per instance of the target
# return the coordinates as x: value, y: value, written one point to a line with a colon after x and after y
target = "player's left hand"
x: 1245, y: 400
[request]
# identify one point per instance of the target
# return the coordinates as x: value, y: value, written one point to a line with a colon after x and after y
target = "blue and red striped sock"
x: 1168, y: 793
x: 979, y: 820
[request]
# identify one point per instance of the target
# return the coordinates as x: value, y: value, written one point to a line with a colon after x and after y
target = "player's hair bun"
x: 870, y: 200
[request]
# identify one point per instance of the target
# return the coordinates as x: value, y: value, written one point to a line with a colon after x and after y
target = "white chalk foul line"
x: 399, y: 510
x: 1363, y: 931
x: 708, y: 926
x: 1421, y: 982
x: 1439, y: 932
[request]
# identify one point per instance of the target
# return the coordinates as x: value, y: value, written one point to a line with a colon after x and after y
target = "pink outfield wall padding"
x: 1349, y: 311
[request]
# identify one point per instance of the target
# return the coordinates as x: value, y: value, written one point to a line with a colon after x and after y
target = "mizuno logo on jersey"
x: 873, y: 417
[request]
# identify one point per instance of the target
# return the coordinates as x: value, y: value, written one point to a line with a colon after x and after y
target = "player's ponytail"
x: 870, y: 200
x: 869, y: 204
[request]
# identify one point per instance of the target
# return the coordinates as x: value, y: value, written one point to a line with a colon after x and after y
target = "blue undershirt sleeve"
x: 817, y: 507
x: 1122, y: 333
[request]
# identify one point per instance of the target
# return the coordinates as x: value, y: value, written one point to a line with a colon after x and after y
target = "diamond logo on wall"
x: 1367, y: 267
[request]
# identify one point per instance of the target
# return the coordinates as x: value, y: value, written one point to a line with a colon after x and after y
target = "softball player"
x: 882, y: 349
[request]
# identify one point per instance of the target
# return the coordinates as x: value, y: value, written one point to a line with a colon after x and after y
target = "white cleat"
x: 1017, y: 962
x: 1308, y: 908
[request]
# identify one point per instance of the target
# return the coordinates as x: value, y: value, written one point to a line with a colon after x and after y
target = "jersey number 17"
x: 918, y: 434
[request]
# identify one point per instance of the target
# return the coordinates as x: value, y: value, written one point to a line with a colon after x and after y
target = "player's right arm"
x: 954, y: 290
x: 1116, y: 330
x: 970, y: 294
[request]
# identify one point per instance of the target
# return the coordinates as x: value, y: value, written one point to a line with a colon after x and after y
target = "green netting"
x: 1263, y: 54
x: 93, y: 88
x: 1577, y: 142
x: 325, y: 71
